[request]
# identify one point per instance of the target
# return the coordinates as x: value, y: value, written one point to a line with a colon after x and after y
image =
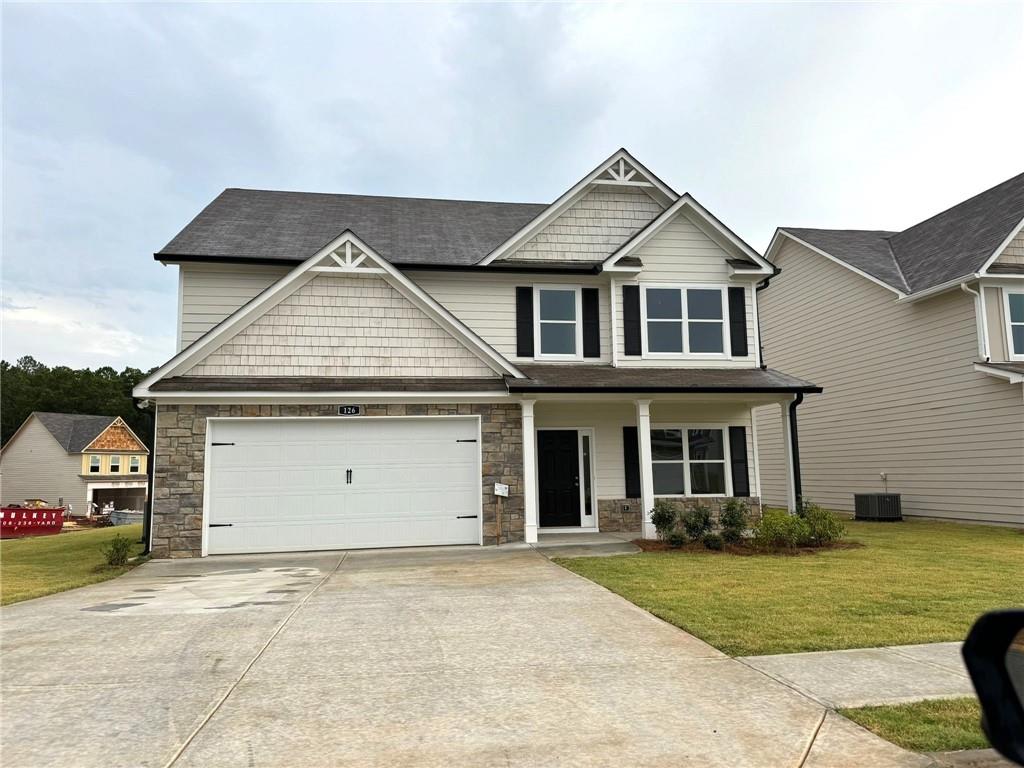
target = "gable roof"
x: 74, y: 431
x: 287, y: 227
x: 958, y: 243
x: 358, y: 257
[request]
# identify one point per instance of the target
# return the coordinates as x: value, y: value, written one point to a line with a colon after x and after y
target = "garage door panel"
x: 283, y: 485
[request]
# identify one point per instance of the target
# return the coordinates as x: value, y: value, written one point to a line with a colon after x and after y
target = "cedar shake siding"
x: 901, y: 396
x: 343, y: 326
x: 1013, y: 253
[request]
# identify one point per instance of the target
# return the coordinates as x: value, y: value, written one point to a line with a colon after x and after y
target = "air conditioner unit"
x: 877, y: 506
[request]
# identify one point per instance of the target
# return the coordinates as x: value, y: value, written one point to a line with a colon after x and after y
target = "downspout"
x: 794, y: 445
x: 757, y: 289
x: 147, y: 513
x: 982, y: 314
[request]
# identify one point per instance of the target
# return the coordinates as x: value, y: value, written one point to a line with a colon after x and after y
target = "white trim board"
x: 299, y: 276
x: 657, y: 189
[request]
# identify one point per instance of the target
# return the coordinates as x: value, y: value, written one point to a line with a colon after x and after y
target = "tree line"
x: 29, y: 385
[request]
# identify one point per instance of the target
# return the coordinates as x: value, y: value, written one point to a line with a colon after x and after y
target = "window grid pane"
x: 557, y: 305
x: 701, y: 470
x: 558, y: 338
x: 693, y: 324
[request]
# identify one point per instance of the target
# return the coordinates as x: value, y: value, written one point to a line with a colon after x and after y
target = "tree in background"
x: 28, y: 386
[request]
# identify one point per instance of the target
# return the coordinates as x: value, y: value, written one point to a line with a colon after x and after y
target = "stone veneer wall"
x: 180, y: 455
x: 612, y: 518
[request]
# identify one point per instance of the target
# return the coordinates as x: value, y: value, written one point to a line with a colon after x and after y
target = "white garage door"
x: 279, y: 485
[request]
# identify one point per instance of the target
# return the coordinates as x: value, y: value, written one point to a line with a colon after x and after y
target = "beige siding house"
x: 911, y: 336
x: 360, y: 371
x: 74, y: 460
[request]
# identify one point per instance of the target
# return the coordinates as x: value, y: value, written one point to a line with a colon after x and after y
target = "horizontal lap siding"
x: 681, y: 253
x: 34, y: 465
x: 211, y: 292
x: 901, y: 396
x: 487, y: 303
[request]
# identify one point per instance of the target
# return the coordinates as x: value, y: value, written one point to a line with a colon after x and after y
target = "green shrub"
x: 664, y: 517
x: 714, y: 541
x: 697, y: 522
x: 117, y: 551
x: 777, y: 529
x: 676, y: 540
x: 824, y: 527
x: 733, y: 520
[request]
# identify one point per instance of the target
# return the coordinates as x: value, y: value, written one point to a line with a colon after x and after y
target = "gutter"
x: 916, y: 296
x: 982, y: 319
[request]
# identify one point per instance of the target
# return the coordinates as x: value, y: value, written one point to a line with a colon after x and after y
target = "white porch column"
x: 643, y: 434
x: 529, y: 473
x: 787, y: 457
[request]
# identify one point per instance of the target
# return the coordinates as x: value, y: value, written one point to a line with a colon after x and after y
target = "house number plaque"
x: 350, y: 410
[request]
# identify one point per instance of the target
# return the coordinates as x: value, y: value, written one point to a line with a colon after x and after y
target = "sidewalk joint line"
x: 814, y: 737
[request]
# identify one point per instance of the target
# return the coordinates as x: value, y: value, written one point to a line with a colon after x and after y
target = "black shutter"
x: 524, y: 322
x: 738, y: 459
x: 631, y: 319
x: 591, y: 324
x: 738, y: 321
x: 631, y: 461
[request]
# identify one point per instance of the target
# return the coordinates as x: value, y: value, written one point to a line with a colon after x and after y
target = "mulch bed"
x: 744, y: 549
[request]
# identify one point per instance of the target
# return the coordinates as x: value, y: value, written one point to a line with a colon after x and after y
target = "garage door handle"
x: 221, y: 525
x: 221, y: 443
x: 466, y: 517
x: 466, y: 440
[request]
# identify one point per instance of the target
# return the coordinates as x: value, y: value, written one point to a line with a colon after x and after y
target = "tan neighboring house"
x: 358, y: 371
x: 918, y: 340
x: 72, y: 459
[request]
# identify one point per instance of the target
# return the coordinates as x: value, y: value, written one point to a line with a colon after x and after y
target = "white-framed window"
x: 94, y: 464
x: 680, y: 321
x: 133, y: 464
x: 1015, y: 323
x: 558, y: 329
x: 115, y: 464
x: 690, y: 460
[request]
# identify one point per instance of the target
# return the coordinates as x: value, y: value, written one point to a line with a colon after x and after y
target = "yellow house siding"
x: 105, y: 463
x: 901, y: 397
x: 33, y: 465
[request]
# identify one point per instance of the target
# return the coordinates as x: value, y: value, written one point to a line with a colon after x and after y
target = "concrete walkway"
x: 871, y: 676
x: 430, y: 657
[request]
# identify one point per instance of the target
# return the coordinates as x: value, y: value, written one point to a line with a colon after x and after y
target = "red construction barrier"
x: 16, y: 522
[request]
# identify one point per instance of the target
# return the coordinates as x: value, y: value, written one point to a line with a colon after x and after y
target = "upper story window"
x: 94, y: 464
x: 559, y: 330
x: 689, y: 461
x: 684, y: 321
x: 115, y: 464
x: 1015, y: 318
x: 133, y: 464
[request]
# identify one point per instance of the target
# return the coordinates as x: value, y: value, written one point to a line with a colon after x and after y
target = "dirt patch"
x: 743, y: 549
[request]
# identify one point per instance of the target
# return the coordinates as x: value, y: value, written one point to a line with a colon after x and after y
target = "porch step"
x: 586, y: 544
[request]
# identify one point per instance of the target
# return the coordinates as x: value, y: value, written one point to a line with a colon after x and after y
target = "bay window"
x: 684, y: 321
x: 689, y: 461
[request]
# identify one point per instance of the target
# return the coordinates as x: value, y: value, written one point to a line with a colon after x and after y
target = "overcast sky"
x: 120, y: 122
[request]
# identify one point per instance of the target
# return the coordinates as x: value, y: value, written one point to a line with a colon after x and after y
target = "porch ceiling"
x: 605, y: 378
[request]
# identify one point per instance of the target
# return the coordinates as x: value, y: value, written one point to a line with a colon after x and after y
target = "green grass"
x: 33, y: 567
x: 912, y: 582
x: 926, y: 726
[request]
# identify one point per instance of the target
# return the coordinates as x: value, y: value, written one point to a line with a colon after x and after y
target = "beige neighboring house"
x: 918, y: 340
x: 359, y: 371
x: 73, y: 459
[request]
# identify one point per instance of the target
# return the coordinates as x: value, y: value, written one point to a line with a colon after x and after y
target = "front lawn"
x: 926, y: 726
x: 911, y: 582
x: 42, y: 565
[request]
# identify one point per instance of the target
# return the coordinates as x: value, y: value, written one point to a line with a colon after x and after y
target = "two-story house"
x: 918, y: 339
x: 360, y: 371
x: 75, y: 460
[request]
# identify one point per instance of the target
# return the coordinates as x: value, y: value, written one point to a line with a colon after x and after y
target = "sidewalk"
x: 871, y: 676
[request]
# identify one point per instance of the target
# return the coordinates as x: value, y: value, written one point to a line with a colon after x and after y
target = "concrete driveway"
x: 446, y: 657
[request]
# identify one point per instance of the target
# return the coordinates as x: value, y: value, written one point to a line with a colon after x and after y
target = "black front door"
x: 558, y: 477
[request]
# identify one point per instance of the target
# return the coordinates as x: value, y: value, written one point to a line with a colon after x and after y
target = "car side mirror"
x: 994, y: 655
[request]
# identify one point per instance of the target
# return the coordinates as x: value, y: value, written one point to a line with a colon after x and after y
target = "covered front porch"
x: 597, y: 462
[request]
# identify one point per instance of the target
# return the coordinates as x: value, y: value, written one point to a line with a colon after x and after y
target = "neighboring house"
x: 370, y: 371
x: 918, y: 339
x: 72, y: 459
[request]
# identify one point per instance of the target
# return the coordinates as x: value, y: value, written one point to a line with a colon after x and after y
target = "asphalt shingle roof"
x: 947, y: 246
x: 292, y: 226
x: 606, y: 378
x: 74, y: 431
